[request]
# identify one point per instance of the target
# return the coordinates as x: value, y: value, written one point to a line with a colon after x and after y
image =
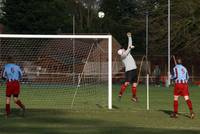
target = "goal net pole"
x: 148, y: 92
x: 140, y: 69
x: 169, y: 39
x: 147, y: 65
x: 110, y: 72
x: 79, y: 80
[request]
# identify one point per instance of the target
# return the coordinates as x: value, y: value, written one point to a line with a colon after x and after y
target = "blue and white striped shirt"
x: 180, y: 74
x: 12, y: 72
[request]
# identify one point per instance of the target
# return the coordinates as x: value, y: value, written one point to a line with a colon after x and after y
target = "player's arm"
x: 130, y: 46
x: 174, y: 74
x: 174, y: 59
x: 125, y: 53
x: 20, y: 73
x: 3, y: 74
x: 130, y: 42
x: 187, y: 75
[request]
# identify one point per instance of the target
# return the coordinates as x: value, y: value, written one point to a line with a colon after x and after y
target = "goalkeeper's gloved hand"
x: 131, y: 46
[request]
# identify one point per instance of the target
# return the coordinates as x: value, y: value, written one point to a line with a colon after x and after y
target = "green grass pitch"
x: 48, y: 112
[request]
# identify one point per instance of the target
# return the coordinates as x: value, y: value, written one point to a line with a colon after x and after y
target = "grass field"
x: 48, y: 112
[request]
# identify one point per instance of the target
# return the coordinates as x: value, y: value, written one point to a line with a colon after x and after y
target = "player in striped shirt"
x: 130, y: 69
x: 12, y: 73
x: 181, y: 77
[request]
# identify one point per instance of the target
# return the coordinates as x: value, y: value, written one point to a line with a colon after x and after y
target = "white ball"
x: 101, y: 14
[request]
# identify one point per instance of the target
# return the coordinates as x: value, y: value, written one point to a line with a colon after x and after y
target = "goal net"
x: 61, y: 71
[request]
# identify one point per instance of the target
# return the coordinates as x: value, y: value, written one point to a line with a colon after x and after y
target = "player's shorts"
x: 131, y: 76
x: 181, y: 89
x: 12, y: 88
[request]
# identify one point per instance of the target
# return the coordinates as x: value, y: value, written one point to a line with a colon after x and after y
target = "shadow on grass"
x: 106, y: 107
x: 49, y: 121
x: 115, y: 107
x: 169, y: 112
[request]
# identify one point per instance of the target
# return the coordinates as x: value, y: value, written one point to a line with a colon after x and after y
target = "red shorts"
x: 12, y: 88
x: 181, y: 89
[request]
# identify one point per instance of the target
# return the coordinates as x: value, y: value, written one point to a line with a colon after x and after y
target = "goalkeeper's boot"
x: 174, y: 115
x: 134, y: 99
x: 192, y: 115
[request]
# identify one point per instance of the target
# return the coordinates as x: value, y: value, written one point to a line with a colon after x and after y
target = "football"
x: 101, y: 14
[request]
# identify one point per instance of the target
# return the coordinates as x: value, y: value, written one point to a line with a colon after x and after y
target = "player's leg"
x: 124, y: 85
x: 187, y: 99
x: 18, y: 101
x: 123, y: 88
x: 8, y: 98
x: 134, y: 92
x: 133, y: 79
x: 157, y: 81
x: 174, y: 114
x: 16, y: 94
x: 176, y: 104
x: 177, y: 93
x: 9, y: 91
x: 189, y: 103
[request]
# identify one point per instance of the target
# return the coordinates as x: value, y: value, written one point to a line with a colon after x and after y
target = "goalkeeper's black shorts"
x: 131, y: 76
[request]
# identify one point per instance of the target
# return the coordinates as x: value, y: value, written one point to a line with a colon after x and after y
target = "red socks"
x: 134, y: 90
x: 175, y: 106
x: 123, y: 88
x: 19, y: 103
x: 189, y: 103
x: 7, y: 109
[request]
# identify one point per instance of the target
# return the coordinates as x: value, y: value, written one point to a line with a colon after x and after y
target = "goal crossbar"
x: 55, y: 36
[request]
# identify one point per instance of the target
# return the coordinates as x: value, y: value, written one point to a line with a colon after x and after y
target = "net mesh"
x: 59, y: 73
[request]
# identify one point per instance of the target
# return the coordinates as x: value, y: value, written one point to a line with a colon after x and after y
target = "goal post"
x: 33, y: 51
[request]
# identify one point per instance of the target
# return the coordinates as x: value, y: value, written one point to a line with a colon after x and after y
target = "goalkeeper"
x: 12, y: 74
x: 130, y: 69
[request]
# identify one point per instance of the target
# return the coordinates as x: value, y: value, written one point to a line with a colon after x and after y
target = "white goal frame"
x: 108, y: 37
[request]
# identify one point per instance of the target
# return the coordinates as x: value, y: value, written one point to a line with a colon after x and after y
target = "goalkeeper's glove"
x: 131, y: 46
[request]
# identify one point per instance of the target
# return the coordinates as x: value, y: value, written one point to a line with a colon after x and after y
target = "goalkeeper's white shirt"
x: 128, y: 60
